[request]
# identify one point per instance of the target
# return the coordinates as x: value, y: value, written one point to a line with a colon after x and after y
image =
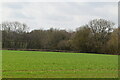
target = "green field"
x: 36, y: 64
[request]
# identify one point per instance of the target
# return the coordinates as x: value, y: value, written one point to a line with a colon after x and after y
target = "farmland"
x: 36, y: 64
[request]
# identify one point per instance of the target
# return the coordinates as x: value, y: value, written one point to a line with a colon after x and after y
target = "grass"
x: 36, y: 64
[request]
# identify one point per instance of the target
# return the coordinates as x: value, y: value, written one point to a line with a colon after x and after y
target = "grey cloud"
x: 68, y: 15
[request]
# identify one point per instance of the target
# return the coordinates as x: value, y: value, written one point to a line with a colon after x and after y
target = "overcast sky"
x: 60, y: 15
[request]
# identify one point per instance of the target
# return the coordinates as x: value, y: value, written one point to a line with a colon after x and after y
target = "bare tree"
x: 15, y: 26
x: 101, y: 30
x: 101, y: 26
x: 14, y: 34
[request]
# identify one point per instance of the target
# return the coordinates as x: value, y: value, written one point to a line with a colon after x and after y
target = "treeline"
x: 98, y: 36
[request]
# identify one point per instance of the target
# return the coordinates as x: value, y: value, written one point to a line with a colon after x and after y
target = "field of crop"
x: 36, y: 64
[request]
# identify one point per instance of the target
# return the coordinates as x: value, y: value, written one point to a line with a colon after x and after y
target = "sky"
x: 60, y: 15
